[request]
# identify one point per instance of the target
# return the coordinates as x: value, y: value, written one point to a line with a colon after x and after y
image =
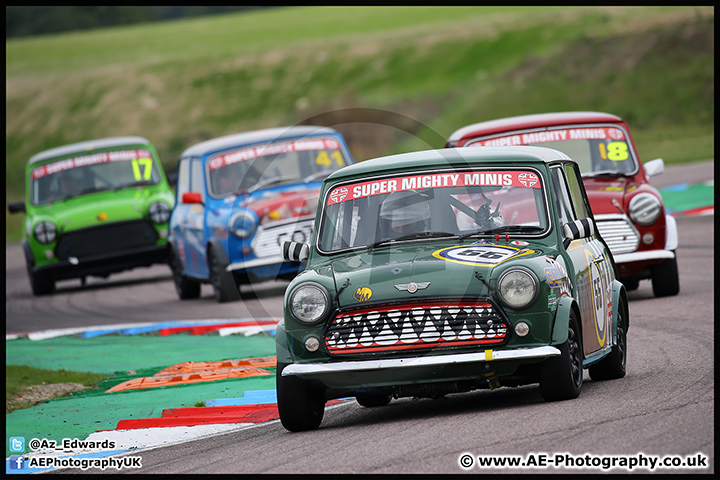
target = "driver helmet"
x: 70, y: 181
x: 405, y: 212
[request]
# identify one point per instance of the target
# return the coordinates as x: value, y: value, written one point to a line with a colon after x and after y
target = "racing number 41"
x: 324, y: 159
x: 147, y: 168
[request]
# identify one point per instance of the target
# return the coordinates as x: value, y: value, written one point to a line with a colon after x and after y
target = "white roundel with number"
x: 480, y: 254
x: 598, y: 291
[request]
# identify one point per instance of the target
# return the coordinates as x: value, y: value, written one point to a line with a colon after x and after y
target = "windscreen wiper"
x: 268, y: 182
x: 502, y: 229
x: 410, y: 236
x: 604, y: 173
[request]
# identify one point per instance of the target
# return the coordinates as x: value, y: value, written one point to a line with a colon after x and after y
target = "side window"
x: 183, y: 177
x: 562, y: 196
x: 197, y: 182
x: 581, y: 209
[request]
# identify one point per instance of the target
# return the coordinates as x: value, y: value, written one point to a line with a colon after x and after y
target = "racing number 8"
x: 616, y: 151
x: 324, y: 159
x: 147, y: 166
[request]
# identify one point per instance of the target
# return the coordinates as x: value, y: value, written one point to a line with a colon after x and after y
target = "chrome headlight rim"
x: 526, y: 272
x: 313, y: 318
x: 45, y: 232
x: 247, y: 215
x: 159, y: 212
x: 645, y: 208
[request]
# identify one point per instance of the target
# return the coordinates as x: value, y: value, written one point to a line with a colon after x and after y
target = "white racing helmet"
x: 406, y: 211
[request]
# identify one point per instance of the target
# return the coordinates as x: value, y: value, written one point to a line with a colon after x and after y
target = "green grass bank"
x: 391, y: 79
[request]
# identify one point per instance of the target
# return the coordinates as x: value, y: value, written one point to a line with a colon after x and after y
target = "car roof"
x: 457, y: 157
x: 87, y: 146
x: 531, y: 121
x: 255, y: 136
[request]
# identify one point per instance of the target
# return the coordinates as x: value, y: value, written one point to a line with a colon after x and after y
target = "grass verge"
x: 21, y: 383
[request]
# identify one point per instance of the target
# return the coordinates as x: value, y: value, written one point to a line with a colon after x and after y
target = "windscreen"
x: 269, y: 165
x: 96, y: 172
x: 597, y: 149
x: 432, y: 204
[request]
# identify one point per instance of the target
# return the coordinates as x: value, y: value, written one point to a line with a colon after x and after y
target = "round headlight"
x: 518, y: 287
x: 159, y: 212
x: 645, y: 208
x: 45, y: 232
x: 243, y: 223
x: 309, y: 302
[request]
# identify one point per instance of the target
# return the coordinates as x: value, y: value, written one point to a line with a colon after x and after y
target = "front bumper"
x: 428, y: 368
x: 643, y: 256
x: 102, y: 265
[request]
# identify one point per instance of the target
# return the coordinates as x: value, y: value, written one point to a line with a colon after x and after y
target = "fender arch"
x: 29, y: 257
x: 281, y: 348
x: 562, y: 319
x: 217, y: 247
x: 619, y: 293
x: 671, y: 233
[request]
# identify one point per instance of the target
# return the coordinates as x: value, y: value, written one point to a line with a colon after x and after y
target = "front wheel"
x: 301, y: 404
x: 615, y: 364
x: 41, y: 282
x: 665, y: 278
x: 561, y: 377
x: 222, y: 281
x: 185, y: 288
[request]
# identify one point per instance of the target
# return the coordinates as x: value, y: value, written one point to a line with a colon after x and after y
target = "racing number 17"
x: 147, y: 168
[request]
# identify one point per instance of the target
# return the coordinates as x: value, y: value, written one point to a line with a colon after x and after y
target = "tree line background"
x: 26, y: 21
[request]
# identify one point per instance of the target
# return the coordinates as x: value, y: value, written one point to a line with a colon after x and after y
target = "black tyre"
x: 631, y: 285
x: 665, y: 278
x: 41, y: 283
x: 561, y: 377
x: 185, y: 288
x: 301, y: 404
x: 615, y: 364
x: 222, y: 281
x: 371, y: 400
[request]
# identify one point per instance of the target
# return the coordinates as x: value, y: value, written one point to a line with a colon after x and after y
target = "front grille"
x: 416, y: 327
x: 618, y: 233
x: 114, y: 238
x: 269, y: 237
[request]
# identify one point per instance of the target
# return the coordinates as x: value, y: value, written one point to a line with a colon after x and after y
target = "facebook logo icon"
x: 17, y: 462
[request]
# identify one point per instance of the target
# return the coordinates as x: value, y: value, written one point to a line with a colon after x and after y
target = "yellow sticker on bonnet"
x: 362, y: 294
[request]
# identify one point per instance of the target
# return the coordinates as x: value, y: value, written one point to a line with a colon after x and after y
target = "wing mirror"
x: 295, y: 252
x: 192, y: 197
x: 17, y: 207
x: 654, y: 167
x: 577, y: 229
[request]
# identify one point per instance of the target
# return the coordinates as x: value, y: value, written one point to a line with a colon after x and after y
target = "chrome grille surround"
x: 618, y: 232
x: 416, y: 326
x: 270, y: 236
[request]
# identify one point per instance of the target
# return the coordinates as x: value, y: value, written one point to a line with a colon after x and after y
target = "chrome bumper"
x: 435, y: 360
x: 258, y: 262
x: 642, y: 256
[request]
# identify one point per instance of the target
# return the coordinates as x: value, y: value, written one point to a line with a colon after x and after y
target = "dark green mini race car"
x: 437, y: 272
x: 94, y: 208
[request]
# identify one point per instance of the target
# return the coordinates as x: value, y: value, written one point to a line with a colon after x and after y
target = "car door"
x: 188, y: 219
x: 591, y: 267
